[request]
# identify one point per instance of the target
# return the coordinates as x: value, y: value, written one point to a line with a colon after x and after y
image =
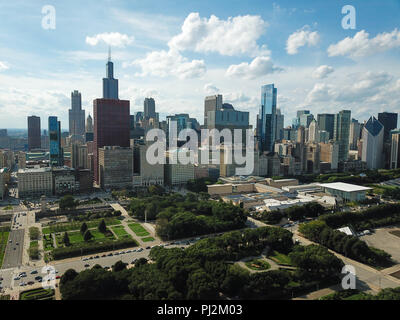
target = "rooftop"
x: 346, y: 187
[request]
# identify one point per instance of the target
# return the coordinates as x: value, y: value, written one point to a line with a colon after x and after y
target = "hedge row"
x: 70, y: 252
x: 37, y: 294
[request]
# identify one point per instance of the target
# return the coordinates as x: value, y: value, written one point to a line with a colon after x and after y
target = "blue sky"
x: 180, y: 51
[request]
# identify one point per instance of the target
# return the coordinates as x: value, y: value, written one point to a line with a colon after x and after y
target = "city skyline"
x: 178, y: 68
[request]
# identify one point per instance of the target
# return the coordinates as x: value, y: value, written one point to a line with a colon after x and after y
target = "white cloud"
x: 322, y: 72
x: 169, y: 63
x: 361, y: 45
x: 209, y: 88
x: 3, y: 66
x: 300, y: 38
x: 260, y: 66
x: 114, y: 39
x: 234, y: 36
x: 353, y: 89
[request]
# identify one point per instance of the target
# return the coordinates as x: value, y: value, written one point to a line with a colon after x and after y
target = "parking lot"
x: 382, y: 239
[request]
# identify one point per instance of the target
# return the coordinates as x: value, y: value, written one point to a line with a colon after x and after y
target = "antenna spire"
x: 109, y: 53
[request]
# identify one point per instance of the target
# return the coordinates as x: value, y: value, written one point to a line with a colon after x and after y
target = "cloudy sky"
x: 180, y: 51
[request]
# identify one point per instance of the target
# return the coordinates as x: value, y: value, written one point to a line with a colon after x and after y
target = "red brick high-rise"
x: 111, y: 127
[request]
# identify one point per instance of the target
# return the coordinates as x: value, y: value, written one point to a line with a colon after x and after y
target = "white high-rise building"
x: 372, y: 147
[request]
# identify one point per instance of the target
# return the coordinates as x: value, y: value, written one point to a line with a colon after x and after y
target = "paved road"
x: 14, y: 251
x: 77, y: 264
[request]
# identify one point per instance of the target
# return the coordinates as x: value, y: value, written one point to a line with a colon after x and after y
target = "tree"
x: 66, y: 239
x: 69, y: 275
x: 87, y: 236
x: 67, y: 202
x: 141, y: 262
x: 84, y: 227
x: 119, y: 266
x: 102, y: 226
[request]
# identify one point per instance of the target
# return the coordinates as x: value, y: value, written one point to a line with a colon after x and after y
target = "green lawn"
x: 75, y: 238
x: 280, y: 258
x: 257, y: 264
x: 3, y: 244
x: 138, y: 229
x: 9, y: 207
x: 76, y: 225
x: 120, y: 232
x: 148, y: 239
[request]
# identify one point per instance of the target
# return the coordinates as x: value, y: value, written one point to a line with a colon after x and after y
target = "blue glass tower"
x: 56, y: 152
x: 267, y: 118
x: 110, y: 85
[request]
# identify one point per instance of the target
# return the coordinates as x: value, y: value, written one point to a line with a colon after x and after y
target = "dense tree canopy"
x: 205, y: 271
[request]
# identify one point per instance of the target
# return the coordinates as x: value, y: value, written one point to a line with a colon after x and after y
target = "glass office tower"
x: 267, y: 118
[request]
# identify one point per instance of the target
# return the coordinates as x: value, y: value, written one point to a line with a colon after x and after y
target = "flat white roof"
x: 346, y: 230
x: 346, y: 187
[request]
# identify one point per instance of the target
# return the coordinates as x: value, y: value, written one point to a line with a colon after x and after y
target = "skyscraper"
x: 389, y: 122
x: 267, y: 118
x: 280, y: 119
x: 305, y: 120
x: 395, y: 149
x: 110, y: 85
x: 355, y: 130
x: 34, y: 140
x: 89, y: 123
x: 76, y: 115
x: 150, y: 108
x: 111, y: 122
x: 326, y: 122
x: 341, y: 133
x: 372, y: 147
x: 211, y: 103
x: 56, y: 152
x: 313, y: 132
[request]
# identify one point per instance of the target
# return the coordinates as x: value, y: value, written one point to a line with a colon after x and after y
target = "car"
x: 34, y: 272
x: 133, y: 261
x: 58, y: 277
x: 110, y: 254
x: 30, y: 283
x: 116, y: 254
x: 38, y: 278
x: 140, y: 250
x: 104, y: 255
x: 134, y: 250
x: 85, y: 259
x: 1, y: 279
x: 87, y: 265
x: 90, y: 258
x: 22, y: 284
x: 148, y: 247
x: 96, y: 257
x: 16, y: 278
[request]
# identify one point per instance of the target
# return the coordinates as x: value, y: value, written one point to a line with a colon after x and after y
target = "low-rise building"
x: 35, y: 182
x: 64, y: 181
x: 346, y: 191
